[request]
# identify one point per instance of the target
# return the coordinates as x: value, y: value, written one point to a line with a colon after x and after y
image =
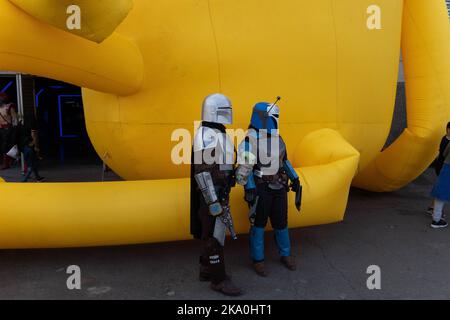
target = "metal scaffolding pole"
x: 20, y: 110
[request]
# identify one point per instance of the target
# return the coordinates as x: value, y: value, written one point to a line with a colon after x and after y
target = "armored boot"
x: 284, y: 249
x: 212, y: 264
x: 257, y: 250
x: 205, y: 273
x: 227, y: 288
x: 220, y: 282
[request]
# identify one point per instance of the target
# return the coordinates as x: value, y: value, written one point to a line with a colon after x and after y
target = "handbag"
x: 14, y: 153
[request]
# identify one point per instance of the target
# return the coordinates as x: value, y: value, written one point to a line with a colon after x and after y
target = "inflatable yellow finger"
x: 328, y: 166
x: 335, y: 63
x: 426, y: 52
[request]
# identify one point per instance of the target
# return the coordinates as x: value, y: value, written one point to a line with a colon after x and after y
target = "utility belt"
x: 281, y: 177
x: 5, y: 126
x: 223, y: 174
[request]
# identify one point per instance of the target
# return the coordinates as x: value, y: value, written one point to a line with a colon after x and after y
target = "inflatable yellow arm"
x: 40, y: 49
x: 97, y: 19
x: 426, y: 52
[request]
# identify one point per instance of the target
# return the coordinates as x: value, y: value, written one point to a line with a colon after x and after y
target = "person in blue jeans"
x: 32, y: 161
x: 439, y: 162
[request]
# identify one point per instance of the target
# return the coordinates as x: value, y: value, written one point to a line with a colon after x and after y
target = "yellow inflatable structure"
x: 334, y: 62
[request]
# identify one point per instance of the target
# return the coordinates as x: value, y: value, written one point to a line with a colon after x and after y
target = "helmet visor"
x: 225, y: 115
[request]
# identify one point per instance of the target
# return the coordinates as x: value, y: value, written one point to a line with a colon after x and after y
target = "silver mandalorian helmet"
x: 217, y: 108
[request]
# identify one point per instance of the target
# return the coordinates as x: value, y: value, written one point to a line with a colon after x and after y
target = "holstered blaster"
x: 252, y: 211
x: 226, y: 217
x: 298, y: 197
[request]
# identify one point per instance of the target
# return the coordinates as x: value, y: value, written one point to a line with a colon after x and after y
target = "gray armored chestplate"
x: 213, y: 152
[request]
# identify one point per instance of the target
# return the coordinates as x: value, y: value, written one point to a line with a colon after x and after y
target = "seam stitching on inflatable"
x: 337, y: 74
x: 215, y: 44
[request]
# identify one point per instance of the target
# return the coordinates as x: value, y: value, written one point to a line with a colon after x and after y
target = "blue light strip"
x: 61, y: 134
x: 7, y: 86
x: 37, y: 97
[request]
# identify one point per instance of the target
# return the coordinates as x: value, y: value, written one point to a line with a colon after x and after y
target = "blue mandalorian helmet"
x: 265, y: 116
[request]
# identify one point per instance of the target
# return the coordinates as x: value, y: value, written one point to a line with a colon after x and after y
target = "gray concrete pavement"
x: 389, y: 230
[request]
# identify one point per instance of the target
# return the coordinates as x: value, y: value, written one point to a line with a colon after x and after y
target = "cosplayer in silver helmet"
x: 217, y: 108
x: 211, y: 183
x: 211, y: 135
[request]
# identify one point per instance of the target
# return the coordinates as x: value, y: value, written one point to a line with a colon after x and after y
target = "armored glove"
x: 215, y: 209
x: 206, y: 186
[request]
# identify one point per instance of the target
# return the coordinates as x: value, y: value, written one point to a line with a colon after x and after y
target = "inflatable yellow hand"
x: 97, y: 19
x: 426, y: 48
x: 335, y: 64
x: 30, y: 46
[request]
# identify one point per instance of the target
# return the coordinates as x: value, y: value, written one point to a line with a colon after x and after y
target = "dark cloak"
x: 196, y: 225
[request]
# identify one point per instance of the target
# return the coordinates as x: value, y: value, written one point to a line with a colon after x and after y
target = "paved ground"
x: 71, y: 172
x: 389, y: 230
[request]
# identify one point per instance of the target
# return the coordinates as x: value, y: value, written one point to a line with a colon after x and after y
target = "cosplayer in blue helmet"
x: 265, y: 171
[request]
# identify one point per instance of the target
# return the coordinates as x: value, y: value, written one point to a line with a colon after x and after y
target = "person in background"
x: 441, y: 190
x: 31, y: 160
x: 3, y: 99
x: 23, y: 142
x: 439, y: 162
x: 8, y: 119
x: 37, y: 148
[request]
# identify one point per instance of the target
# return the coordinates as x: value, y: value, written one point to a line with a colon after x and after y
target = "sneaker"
x: 41, y: 179
x: 440, y: 224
